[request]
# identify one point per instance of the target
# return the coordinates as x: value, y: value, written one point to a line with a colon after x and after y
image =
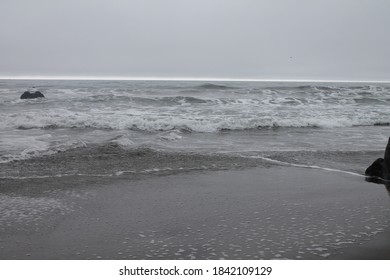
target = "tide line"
x: 308, y: 166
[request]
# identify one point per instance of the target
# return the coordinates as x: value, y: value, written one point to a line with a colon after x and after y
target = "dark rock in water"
x: 381, y: 167
x: 30, y: 95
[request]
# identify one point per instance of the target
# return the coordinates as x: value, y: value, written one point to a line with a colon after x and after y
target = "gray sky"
x: 239, y: 39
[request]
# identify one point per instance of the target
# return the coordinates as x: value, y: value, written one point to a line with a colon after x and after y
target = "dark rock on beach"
x: 381, y: 167
x: 375, y: 169
x: 31, y: 95
x: 386, y: 162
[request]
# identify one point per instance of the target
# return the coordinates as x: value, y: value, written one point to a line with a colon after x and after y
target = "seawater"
x: 290, y: 120
x: 84, y: 148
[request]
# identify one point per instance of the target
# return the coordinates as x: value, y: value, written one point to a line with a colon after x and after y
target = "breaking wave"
x: 190, y: 120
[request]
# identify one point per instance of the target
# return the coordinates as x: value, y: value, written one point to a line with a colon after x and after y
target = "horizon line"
x: 108, y: 78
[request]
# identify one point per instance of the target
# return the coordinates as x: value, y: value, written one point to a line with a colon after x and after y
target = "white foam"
x: 170, y: 136
x: 307, y: 166
x: 124, y: 141
x: 28, y: 210
x: 21, y: 148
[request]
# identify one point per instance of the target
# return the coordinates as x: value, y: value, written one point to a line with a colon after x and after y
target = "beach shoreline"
x: 271, y: 212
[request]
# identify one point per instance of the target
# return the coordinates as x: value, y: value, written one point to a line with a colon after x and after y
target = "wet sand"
x: 258, y: 213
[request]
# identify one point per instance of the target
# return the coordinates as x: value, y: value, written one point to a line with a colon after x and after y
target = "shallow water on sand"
x: 258, y: 213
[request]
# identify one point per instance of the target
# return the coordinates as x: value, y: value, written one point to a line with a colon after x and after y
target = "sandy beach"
x: 269, y: 212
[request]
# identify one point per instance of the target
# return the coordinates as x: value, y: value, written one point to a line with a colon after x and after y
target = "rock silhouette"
x: 381, y: 167
x: 30, y: 95
x: 375, y: 169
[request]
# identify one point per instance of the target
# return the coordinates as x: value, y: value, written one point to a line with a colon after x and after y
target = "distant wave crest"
x: 213, y: 86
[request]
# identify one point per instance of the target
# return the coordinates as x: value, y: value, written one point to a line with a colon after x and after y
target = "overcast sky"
x: 238, y: 39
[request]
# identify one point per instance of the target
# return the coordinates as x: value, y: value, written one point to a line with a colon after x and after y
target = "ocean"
x: 192, y: 170
x: 332, y: 125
